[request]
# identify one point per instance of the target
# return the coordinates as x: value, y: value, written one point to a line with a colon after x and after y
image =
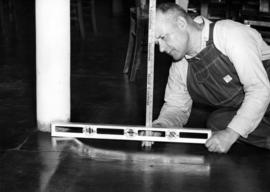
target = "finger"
x: 212, y: 146
x: 209, y: 142
x: 213, y: 149
x: 147, y: 143
x: 219, y: 146
x: 222, y: 150
x: 142, y: 133
x: 143, y: 144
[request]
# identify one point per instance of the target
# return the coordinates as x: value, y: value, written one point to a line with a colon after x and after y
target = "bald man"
x: 224, y: 65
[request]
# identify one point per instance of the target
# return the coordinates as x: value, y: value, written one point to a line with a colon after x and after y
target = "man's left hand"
x: 221, y: 141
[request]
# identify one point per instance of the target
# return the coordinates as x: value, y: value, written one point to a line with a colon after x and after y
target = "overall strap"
x: 211, y: 34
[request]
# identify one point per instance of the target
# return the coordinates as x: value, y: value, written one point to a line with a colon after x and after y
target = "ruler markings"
x: 150, y: 63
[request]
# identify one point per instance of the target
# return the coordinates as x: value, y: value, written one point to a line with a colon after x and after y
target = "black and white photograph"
x: 134, y: 95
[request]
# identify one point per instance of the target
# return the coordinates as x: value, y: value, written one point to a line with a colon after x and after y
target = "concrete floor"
x: 33, y: 161
x: 43, y: 163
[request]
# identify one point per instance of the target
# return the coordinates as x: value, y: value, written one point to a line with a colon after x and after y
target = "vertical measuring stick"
x: 150, y: 63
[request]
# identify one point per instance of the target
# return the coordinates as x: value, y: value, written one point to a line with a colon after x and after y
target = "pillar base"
x: 46, y: 127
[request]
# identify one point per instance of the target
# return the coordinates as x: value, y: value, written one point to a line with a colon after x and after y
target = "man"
x: 225, y: 65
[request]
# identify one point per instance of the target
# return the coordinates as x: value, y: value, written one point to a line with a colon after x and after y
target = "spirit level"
x: 132, y: 133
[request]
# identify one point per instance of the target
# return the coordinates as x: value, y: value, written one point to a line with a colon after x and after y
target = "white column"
x: 52, y: 62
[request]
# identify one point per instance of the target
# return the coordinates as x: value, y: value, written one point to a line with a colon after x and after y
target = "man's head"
x: 172, y: 30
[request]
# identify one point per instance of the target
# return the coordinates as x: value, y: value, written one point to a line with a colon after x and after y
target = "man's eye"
x: 164, y: 37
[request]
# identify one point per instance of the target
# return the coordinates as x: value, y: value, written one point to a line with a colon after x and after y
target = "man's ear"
x: 181, y: 22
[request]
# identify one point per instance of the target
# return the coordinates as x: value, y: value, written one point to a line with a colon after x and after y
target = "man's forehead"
x: 162, y: 23
x: 161, y: 17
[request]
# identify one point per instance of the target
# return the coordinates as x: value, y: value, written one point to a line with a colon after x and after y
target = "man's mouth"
x: 170, y: 52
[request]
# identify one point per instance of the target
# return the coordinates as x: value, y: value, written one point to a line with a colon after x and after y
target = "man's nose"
x: 161, y: 46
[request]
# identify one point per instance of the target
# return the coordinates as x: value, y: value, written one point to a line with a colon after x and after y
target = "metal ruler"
x: 131, y: 133
x: 150, y: 63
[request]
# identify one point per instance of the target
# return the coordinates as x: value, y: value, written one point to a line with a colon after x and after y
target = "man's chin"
x: 177, y: 58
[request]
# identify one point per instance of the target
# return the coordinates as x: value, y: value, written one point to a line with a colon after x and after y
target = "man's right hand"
x: 148, y: 144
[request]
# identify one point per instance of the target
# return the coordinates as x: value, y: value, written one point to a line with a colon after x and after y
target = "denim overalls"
x: 212, y: 80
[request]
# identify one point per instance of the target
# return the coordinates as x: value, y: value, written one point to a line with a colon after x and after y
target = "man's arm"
x: 176, y: 109
x: 243, y: 49
x: 242, y: 45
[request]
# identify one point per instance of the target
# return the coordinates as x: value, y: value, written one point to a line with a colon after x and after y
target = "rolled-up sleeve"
x: 176, y: 109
